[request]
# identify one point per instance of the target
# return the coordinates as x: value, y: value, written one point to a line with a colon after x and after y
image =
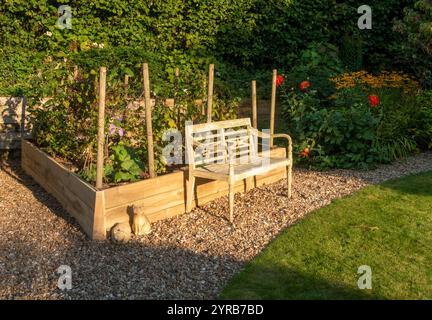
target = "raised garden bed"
x: 98, y: 210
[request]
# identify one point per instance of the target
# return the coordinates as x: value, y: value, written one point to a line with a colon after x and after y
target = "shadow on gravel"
x: 12, y: 167
x: 135, y: 271
x: 28, y: 270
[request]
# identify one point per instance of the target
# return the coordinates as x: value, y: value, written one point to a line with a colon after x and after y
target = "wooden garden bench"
x: 228, y: 151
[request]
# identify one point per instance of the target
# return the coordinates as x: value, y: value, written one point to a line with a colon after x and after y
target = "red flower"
x: 304, y: 85
x: 374, y: 100
x: 279, y: 80
x: 305, y: 153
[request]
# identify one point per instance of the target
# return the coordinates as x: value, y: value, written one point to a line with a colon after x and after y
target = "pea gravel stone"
x: 191, y: 256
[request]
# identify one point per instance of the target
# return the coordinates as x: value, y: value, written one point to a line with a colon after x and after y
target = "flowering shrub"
x: 330, y: 137
x: 368, y: 120
x: 383, y: 80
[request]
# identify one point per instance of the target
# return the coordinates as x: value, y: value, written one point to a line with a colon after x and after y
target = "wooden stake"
x: 210, y: 93
x: 126, y: 86
x: 273, y: 106
x: 254, y: 105
x: 148, y: 113
x: 76, y: 71
x: 101, y: 129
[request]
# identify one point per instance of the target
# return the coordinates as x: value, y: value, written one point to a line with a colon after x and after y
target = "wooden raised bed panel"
x: 78, y: 198
x: 97, y: 211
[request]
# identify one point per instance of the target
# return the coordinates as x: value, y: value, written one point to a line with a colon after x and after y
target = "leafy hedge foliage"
x: 259, y: 34
x: 414, y: 50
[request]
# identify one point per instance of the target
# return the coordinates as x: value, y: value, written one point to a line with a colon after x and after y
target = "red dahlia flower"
x: 374, y: 100
x: 279, y: 80
x: 305, y: 153
x: 304, y: 85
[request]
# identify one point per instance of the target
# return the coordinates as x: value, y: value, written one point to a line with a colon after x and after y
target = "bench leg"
x: 289, y: 179
x: 231, y: 201
x: 190, y: 193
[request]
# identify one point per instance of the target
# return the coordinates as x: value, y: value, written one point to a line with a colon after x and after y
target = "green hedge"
x: 252, y: 34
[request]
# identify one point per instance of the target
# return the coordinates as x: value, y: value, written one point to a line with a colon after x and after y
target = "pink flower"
x: 121, y: 132
x: 112, y: 128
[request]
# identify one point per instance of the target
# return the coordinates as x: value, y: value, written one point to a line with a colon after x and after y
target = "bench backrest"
x: 220, y: 142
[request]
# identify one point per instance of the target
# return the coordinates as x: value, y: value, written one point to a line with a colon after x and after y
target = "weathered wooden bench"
x: 229, y: 151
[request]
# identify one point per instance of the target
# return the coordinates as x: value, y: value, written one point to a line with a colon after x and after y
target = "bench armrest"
x: 261, y: 134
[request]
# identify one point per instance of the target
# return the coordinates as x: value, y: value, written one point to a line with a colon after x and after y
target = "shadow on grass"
x: 274, y: 282
x: 417, y: 184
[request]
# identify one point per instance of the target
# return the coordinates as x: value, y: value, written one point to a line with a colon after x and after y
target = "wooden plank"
x: 128, y: 193
x: 206, y: 135
x: 70, y: 202
x: 198, y: 128
x: 98, y: 226
x: 121, y: 216
x: 41, y: 162
x: 151, y: 205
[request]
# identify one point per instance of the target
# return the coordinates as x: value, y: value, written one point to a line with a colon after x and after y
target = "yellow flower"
x: 385, y: 79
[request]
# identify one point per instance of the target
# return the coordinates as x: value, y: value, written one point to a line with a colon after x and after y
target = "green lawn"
x: 388, y: 227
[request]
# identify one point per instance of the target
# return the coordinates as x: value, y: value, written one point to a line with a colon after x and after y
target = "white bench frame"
x: 226, y: 167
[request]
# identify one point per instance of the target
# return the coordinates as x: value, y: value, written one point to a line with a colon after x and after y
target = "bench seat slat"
x: 257, y: 166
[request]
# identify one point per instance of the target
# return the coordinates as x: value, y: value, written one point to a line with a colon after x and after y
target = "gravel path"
x: 189, y: 256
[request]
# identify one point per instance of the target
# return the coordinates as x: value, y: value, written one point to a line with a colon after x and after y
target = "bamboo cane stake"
x: 273, y: 106
x: 101, y: 128
x: 76, y: 72
x: 210, y: 93
x: 126, y: 86
x: 254, y: 105
x: 148, y: 114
